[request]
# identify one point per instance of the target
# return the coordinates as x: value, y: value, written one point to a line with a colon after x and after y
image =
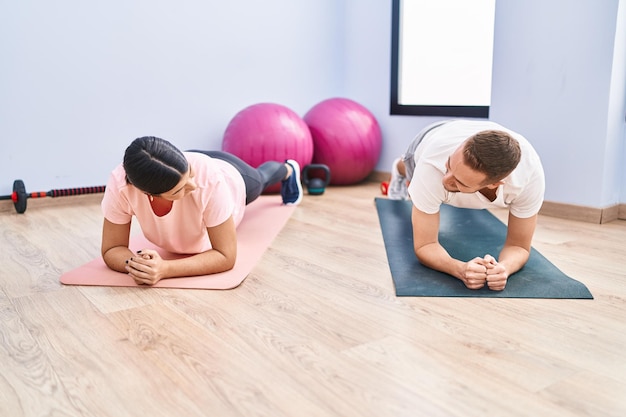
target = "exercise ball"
x: 268, y: 132
x: 346, y: 138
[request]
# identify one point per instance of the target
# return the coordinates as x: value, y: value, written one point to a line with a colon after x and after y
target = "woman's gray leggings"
x: 256, y: 179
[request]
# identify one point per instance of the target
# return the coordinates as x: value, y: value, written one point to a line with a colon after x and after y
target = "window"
x: 442, y: 53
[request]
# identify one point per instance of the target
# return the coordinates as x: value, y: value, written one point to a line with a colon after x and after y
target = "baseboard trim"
x: 583, y: 213
x: 378, y: 176
x: 559, y: 210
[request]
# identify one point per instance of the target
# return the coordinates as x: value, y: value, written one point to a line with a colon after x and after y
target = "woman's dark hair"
x: 492, y: 152
x: 154, y: 165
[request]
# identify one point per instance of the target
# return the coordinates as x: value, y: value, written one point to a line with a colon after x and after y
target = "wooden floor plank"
x: 89, y: 376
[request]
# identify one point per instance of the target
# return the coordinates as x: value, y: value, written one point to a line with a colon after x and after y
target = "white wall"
x: 556, y: 80
x: 553, y: 77
x: 79, y: 80
x: 618, y: 108
x: 615, y: 166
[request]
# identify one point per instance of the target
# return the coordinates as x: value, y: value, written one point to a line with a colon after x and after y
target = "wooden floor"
x: 315, y: 329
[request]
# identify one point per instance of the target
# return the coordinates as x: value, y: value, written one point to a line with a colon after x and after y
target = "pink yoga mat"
x: 262, y: 222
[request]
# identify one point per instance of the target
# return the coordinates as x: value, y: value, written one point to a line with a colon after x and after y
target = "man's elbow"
x: 421, y: 253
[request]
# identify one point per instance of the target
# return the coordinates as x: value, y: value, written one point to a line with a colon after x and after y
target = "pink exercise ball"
x: 346, y: 138
x: 268, y: 132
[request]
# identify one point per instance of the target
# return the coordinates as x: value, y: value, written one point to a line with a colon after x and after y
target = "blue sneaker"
x: 291, y: 189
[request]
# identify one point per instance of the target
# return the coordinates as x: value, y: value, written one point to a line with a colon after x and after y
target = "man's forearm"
x: 513, y: 258
x: 434, y: 256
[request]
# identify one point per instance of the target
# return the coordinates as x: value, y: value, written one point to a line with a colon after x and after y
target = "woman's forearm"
x: 205, y: 263
x: 115, y: 258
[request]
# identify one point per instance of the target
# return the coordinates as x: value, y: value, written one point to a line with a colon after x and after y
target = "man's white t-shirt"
x: 522, y: 192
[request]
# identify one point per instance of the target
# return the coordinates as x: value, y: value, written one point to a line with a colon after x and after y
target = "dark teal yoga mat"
x: 465, y: 234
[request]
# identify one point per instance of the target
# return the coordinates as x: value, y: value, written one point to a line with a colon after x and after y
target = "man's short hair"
x: 492, y: 152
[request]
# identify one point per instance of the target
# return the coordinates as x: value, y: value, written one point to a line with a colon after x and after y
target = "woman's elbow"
x: 228, y: 262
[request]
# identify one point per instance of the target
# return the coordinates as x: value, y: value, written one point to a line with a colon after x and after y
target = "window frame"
x: 396, y: 108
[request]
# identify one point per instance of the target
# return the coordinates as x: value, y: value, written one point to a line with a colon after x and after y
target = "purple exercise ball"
x: 346, y: 137
x: 268, y: 132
